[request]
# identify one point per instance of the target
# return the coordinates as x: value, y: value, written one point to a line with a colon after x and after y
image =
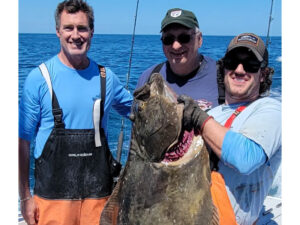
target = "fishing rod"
x: 121, y: 136
x: 269, y: 25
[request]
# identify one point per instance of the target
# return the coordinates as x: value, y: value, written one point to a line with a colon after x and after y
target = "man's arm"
x: 28, y: 207
x: 195, y: 118
x: 213, y: 133
x: 249, y: 155
x: 24, y: 152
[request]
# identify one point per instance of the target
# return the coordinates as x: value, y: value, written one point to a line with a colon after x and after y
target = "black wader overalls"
x: 71, y: 167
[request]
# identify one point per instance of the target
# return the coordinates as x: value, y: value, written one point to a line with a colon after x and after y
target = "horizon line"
x: 229, y: 35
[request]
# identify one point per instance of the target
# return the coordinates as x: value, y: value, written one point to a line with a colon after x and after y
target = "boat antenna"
x: 269, y: 25
x: 121, y: 136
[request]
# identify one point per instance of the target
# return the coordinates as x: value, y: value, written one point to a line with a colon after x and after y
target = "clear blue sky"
x: 216, y: 17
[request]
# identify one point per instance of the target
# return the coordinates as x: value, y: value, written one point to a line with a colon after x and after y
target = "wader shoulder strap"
x: 220, y: 82
x: 45, y: 73
x: 157, y: 68
x: 56, y: 110
x: 234, y: 115
x: 103, y: 88
x: 98, y: 110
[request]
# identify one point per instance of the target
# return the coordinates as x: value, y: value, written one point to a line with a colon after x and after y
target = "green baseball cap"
x: 181, y: 16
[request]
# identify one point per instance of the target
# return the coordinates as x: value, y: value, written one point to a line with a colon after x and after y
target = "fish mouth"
x: 178, y: 150
x: 157, y: 125
x: 187, y: 144
x: 187, y: 147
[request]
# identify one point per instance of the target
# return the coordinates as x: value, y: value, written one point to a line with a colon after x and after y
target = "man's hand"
x: 193, y: 116
x: 29, y: 212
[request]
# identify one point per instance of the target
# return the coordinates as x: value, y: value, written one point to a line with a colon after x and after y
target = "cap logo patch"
x: 175, y: 13
x: 249, y: 38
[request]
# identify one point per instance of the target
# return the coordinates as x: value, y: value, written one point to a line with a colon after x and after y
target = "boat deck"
x: 271, y: 212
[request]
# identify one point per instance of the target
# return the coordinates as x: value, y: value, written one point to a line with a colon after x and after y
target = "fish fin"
x: 109, y: 215
x: 215, y: 218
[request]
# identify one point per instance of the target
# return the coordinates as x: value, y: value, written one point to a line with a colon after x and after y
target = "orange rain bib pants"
x: 75, y: 212
x: 221, y: 200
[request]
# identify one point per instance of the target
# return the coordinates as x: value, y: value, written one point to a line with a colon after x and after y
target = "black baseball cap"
x: 252, y: 42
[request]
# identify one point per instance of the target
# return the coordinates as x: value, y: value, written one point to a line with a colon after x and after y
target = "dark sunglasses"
x: 250, y: 65
x: 181, y: 38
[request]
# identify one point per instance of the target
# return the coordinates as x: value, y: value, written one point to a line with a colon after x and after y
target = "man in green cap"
x: 186, y: 70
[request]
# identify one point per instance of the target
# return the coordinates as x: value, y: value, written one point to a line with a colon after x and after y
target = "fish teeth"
x: 178, y: 151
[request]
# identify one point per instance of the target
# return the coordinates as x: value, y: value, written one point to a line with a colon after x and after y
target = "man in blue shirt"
x: 186, y: 70
x: 64, y: 108
x: 245, y: 132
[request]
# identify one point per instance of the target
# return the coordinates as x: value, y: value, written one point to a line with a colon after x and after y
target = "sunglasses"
x: 250, y: 65
x: 181, y: 38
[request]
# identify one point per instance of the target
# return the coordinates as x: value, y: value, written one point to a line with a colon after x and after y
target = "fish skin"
x: 157, y: 119
x: 150, y: 192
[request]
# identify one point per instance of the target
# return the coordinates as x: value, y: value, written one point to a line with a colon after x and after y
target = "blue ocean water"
x: 114, y: 51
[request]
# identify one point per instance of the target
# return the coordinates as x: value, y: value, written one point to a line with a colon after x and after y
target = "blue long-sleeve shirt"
x: 242, y: 153
x: 76, y: 91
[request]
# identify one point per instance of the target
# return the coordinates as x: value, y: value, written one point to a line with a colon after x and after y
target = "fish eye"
x: 138, y: 106
x: 141, y: 106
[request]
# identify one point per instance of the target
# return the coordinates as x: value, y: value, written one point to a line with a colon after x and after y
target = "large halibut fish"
x: 166, y: 179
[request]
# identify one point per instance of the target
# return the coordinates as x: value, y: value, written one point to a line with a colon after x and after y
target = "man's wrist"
x: 199, y: 118
x: 204, y: 122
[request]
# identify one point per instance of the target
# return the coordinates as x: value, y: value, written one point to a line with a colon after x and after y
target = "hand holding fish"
x: 193, y: 116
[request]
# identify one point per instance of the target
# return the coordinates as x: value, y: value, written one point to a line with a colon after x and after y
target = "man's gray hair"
x: 197, y: 30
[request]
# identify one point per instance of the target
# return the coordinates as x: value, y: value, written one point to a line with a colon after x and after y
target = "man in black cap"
x: 186, y: 71
x: 244, y: 133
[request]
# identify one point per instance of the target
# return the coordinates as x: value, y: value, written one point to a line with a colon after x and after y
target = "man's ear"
x: 57, y: 33
x: 199, y: 36
x: 92, y: 33
x: 262, y: 75
x: 266, y: 72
